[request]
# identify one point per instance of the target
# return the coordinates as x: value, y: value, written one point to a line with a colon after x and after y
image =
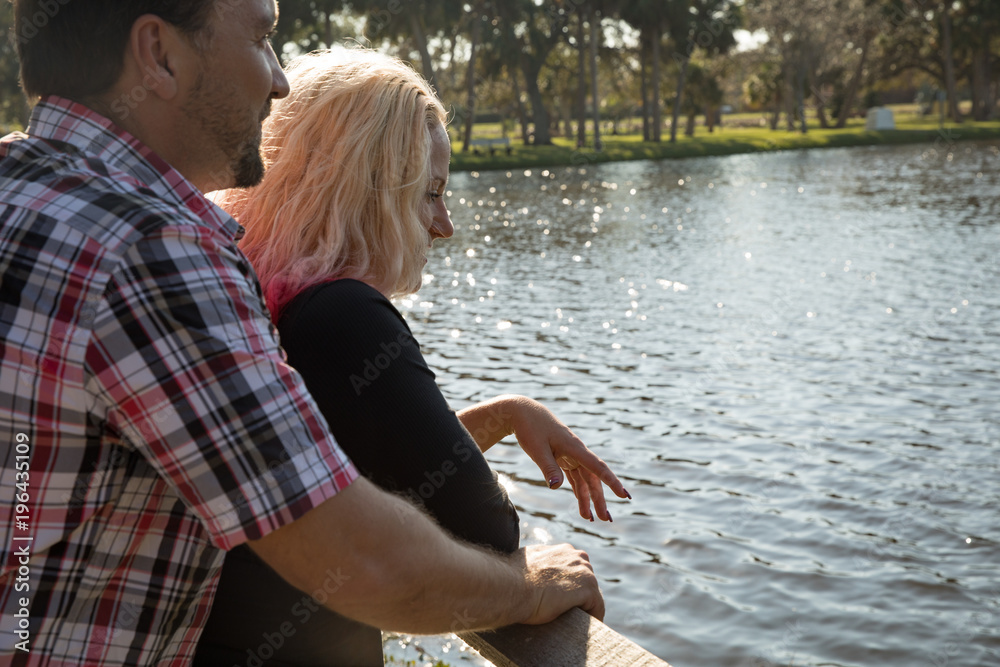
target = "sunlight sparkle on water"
x: 541, y: 535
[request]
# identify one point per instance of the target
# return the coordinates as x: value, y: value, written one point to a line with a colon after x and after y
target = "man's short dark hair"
x: 76, y: 48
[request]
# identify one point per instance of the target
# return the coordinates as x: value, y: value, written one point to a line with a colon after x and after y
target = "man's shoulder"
x: 68, y: 188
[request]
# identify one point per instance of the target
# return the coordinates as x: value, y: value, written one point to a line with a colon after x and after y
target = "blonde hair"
x: 348, y: 165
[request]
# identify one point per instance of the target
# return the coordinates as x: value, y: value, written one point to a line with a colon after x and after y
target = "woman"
x: 353, y: 197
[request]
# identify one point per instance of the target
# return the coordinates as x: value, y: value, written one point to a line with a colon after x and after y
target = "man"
x: 147, y: 419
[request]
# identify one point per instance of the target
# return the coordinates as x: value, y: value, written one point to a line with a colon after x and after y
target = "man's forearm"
x: 396, y: 569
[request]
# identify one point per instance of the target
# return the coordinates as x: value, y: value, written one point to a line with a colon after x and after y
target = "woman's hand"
x: 557, y: 451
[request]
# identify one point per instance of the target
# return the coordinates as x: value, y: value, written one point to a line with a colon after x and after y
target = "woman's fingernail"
x: 609, y: 518
x: 591, y: 517
x: 627, y: 494
x: 554, y: 482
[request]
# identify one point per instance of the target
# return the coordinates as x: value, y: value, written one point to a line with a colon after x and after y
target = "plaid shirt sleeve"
x: 186, y: 362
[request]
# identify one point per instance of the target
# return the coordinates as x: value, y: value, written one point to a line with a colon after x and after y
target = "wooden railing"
x: 575, y: 639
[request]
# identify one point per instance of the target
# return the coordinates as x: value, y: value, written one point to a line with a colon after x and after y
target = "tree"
x: 306, y: 25
x: 952, y: 42
x: 13, y: 104
x: 979, y: 25
x: 706, y: 25
x: 470, y: 75
x: 703, y: 96
x: 534, y: 31
x: 864, y: 22
x: 943, y: 11
x: 401, y: 20
x: 765, y: 88
x: 649, y: 17
x: 800, y: 32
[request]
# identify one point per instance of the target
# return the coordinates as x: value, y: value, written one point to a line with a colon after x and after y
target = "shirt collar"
x: 59, y: 119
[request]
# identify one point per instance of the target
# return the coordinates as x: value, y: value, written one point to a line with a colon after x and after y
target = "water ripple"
x: 792, y: 361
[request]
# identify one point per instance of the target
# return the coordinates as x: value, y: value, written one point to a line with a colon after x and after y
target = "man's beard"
x: 248, y: 167
x: 240, y: 143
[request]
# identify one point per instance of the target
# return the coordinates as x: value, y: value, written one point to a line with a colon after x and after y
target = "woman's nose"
x: 442, y: 227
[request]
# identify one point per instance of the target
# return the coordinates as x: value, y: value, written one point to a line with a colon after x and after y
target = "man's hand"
x: 562, y: 577
x: 402, y: 572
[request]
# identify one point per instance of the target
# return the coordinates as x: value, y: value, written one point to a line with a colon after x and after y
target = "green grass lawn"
x: 725, y: 140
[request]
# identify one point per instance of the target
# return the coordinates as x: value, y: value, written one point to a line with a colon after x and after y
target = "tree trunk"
x: 949, y: 65
x: 581, y: 91
x: 854, y: 84
x: 470, y: 78
x: 328, y: 30
x: 710, y: 114
x: 657, y: 117
x: 522, y: 116
x: 821, y: 113
x: 775, y: 117
x: 540, y: 115
x: 677, y: 101
x: 644, y: 88
x: 566, y: 116
x: 789, y: 95
x: 689, y: 129
x: 595, y: 36
x: 980, y: 85
x: 453, y: 71
x: 425, y: 57
x: 991, y: 90
x: 800, y: 97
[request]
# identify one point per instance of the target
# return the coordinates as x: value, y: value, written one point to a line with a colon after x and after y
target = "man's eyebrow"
x: 266, y: 22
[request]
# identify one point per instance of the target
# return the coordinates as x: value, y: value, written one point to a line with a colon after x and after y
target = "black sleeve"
x: 365, y: 370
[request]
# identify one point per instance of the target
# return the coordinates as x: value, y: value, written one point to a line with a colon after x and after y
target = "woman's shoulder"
x: 338, y: 290
x: 341, y: 306
x: 337, y: 295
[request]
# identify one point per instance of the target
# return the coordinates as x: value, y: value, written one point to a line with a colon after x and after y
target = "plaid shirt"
x: 147, y: 420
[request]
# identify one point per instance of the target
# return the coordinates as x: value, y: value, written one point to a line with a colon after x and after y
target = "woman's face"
x: 435, y: 216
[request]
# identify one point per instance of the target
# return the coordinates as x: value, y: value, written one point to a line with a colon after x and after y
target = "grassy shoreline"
x: 725, y: 140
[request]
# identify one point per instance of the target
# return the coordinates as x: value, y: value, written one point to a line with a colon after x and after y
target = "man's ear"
x: 158, y: 51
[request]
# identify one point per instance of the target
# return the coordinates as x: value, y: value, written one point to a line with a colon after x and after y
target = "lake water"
x: 791, y: 359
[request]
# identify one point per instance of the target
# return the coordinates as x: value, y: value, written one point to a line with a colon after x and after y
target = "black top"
x: 365, y: 371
